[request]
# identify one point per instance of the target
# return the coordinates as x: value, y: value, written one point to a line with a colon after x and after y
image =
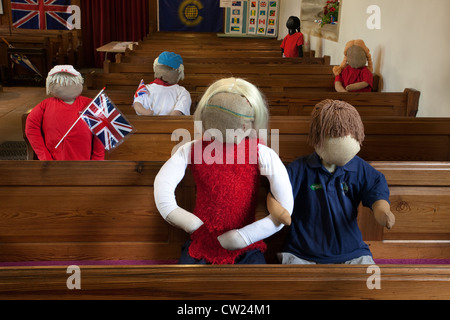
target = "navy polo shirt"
x: 324, y: 222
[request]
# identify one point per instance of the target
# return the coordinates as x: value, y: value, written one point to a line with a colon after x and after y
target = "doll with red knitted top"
x: 226, y: 163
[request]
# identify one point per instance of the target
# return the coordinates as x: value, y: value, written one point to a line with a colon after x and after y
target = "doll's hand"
x: 385, y: 219
x: 232, y: 240
x: 339, y: 87
x: 184, y: 220
x: 383, y: 214
x: 356, y: 86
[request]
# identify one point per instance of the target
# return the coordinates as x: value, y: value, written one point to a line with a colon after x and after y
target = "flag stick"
x: 79, y: 118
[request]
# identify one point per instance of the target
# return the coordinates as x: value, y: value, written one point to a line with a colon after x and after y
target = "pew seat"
x: 228, y: 283
x: 101, y: 216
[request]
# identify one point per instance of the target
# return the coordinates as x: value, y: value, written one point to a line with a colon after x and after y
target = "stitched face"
x: 67, y: 93
x: 339, y: 151
x: 231, y: 115
x: 356, y: 57
x: 167, y: 74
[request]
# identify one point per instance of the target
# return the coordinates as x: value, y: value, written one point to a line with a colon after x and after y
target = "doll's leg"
x: 252, y: 257
x: 361, y: 260
x: 289, y: 258
x: 185, y: 258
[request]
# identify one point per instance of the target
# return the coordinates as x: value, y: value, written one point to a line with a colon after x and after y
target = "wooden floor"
x: 14, y: 102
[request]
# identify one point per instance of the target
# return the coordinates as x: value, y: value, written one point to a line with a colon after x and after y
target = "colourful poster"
x: 263, y: 17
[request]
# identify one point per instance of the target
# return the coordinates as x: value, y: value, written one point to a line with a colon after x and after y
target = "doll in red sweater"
x: 353, y: 75
x: 51, y: 119
x: 292, y: 44
x: 226, y: 164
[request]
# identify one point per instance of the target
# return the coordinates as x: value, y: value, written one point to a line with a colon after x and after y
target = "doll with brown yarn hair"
x: 353, y: 75
x: 328, y: 187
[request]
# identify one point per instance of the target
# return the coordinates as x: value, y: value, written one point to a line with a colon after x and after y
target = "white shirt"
x: 162, y: 100
x: 270, y: 165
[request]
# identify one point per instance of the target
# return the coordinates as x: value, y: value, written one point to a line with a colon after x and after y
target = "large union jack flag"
x: 106, y: 122
x: 41, y: 14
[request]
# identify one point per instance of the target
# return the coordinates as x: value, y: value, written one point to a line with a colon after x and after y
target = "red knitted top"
x: 226, y: 199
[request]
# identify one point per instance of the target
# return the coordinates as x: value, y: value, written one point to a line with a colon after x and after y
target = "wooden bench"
x: 309, y: 58
x: 387, y: 138
x: 293, y: 104
x: 64, y: 46
x: 200, y: 82
x: 102, y: 217
x: 241, y: 70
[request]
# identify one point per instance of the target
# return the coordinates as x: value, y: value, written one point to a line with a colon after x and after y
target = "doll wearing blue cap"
x: 164, y: 96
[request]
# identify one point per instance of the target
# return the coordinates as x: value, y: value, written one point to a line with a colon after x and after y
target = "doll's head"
x: 65, y: 83
x: 233, y: 105
x: 293, y: 24
x: 336, y: 132
x: 169, y: 67
x: 356, y: 54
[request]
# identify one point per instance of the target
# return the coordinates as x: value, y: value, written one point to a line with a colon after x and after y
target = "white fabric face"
x: 339, y: 151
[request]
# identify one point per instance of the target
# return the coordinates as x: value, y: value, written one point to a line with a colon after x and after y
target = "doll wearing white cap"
x: 50, y: 120
x: 164, y: 96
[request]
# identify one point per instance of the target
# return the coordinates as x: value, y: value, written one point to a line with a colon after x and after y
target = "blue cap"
x: 170, y: 59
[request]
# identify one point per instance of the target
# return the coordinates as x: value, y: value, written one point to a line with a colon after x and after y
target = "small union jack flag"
x: 106, y: 122
x: 41, y: 14
x: 142, y: 89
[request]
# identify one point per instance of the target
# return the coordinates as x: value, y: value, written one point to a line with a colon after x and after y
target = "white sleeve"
x: 273, y: 168
x: 184, y: 102
x: 168, y: 178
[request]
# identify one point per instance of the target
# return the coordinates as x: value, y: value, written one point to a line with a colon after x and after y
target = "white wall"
x: 411, y: 50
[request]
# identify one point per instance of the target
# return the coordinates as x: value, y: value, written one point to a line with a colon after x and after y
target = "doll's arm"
x: 140, y: 110
x: 273, y: 168
x: 33, y: 131
x: 382, y: 212
x: 183, y: 104
x: 357, y: 86
x: 165, y: 184
x: 339, y: 87
x: 278, y: 213
x: 300, y: 51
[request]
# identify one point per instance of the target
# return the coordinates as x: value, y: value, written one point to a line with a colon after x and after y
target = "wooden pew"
x: 199, y: 83
x: 309, y: 58
x: 99, y: 214
x: 63, y: 47
x: 387, y: 138
x: 404, y: 103
x: 226, y: 283
x: 241, y: 70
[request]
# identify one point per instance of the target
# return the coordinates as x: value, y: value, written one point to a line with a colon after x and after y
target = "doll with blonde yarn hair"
x: 226, y: 164
x: 353, y: 75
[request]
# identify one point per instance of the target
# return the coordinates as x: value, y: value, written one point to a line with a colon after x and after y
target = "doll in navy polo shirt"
x: 328, y: 186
